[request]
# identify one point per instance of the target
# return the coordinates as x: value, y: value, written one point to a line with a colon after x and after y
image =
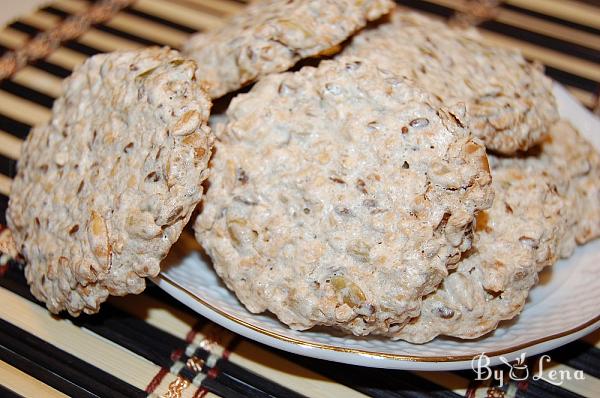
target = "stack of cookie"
x: 412, y: 184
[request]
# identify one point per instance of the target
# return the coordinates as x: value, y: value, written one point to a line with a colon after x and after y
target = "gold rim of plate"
x: 385, y: 355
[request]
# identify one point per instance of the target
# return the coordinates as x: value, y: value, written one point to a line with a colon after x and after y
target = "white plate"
x: 563, y: 307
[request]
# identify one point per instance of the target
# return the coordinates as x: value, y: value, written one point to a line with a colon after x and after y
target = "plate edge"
x: 385, y: 355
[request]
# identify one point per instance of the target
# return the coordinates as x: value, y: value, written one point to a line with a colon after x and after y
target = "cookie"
x: 509, y: 100
x: 8, y: 249
x: 339, y: 196
x: 513, y: 241
x: 568, y: 156
x: 546, y: 201
x: 272, y: 35
x: 105, y: 187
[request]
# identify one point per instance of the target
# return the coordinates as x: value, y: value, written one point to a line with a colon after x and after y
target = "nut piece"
x: 188, y: 123
x: 270, y: 36
x: 359, y: 249
x: 98, y: 240
x: 115, y: 175
x: 352, y: 239
x: 349, y: 292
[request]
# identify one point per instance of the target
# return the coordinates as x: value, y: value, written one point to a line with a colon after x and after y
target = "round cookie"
x: 509, y: 100
x: 272, y: 35
x: 568, y: 156
x: 105, y: 187
x: 547, y: 201
x: 513, y: 241
x: 339, y: 196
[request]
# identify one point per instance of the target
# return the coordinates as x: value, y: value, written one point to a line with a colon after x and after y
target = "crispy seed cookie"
x: 272, y: 35
x: 583, y: 163
x: 106, y: 186
x: 339, y: 195
x: 509, y: 101
x: 517, y: 237
x: 568, y: 156
x: 546, y: 201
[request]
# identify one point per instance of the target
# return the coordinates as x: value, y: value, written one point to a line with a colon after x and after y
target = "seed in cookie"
x: 341, y: 234
x: 105, y: 187
x: 272, y: 35
x: 546, y: 202
x: 509, y: 101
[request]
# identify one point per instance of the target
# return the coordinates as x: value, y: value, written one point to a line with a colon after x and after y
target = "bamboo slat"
x: 23, y: 110
x: 569, y: 10
x: 10, y: 146
x: 81, y: 343
x: 24, y: 384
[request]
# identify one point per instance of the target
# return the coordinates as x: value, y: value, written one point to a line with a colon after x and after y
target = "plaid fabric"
x: 150, y: 345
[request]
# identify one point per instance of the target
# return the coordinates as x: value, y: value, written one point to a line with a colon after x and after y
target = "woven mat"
x: 150, y: 345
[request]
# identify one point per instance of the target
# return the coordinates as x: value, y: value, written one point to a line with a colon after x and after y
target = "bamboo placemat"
x: 150, y: 345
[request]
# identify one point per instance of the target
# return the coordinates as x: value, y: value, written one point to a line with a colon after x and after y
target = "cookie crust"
x: 567, y: 155
x: 272, y: 35
x: 547, y: 201
x: 339, y: 196
x: 513, y: 241
x: 106, y: 186
x: 509, y: 100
